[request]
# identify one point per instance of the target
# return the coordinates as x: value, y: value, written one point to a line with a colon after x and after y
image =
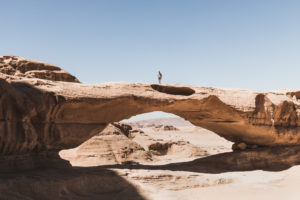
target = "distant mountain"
x: 174, y: 121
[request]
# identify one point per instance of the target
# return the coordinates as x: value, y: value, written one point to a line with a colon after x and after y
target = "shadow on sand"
x: 80, y: 183
x: 103, y: 183
x: 268, y: 159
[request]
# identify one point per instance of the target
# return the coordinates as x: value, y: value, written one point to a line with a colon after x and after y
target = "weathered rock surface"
x: 166, y: 127
x: 42, y: 115
x: 170, y: 128
x: 179, y: 148
x: 111, y: 146
x: 115, y: 146
x: 21, y: 67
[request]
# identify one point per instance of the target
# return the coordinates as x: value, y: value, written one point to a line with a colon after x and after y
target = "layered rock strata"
x: 48, y: 113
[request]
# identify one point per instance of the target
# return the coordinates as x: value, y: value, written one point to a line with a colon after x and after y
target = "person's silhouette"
x: 159, y: 76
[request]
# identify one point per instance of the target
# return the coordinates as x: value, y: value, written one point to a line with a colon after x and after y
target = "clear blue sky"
x: 251, y: 44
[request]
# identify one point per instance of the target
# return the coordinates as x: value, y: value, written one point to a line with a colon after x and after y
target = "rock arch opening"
x: 149, y: 138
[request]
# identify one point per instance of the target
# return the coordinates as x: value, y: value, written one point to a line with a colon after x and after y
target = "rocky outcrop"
x: 124, y: 128
x: 165, y: 128
x: 47, y: 114
x: 179, y: 148
x: 170, y: 128
x: 21, y: 67
x: 111, y: 146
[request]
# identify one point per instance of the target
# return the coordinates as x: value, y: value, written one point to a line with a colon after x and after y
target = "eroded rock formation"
x: 45, y: 109
x: 110, y: 146
x: 21, y: 67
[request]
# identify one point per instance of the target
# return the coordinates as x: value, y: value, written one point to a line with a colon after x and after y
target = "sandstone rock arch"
x: 46, y: 115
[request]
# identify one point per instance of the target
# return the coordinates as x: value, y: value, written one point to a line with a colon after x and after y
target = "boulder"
x: 170, y: 128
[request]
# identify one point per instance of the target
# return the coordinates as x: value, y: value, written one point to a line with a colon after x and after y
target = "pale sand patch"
x: 164, y: 184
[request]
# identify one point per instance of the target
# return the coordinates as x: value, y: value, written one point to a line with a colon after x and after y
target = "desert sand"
x: 154, y: 183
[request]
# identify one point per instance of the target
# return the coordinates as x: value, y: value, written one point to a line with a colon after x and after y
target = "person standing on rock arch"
x: 159, y: 76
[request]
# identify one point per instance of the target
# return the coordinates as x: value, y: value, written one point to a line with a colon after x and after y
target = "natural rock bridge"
x: 45, y: 109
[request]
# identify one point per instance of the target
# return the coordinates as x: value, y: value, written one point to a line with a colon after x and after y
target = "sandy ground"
x: 232, y: 185
x: 162, y: 184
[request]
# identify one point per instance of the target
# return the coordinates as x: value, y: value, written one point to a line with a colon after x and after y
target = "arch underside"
x: 50, y: 116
